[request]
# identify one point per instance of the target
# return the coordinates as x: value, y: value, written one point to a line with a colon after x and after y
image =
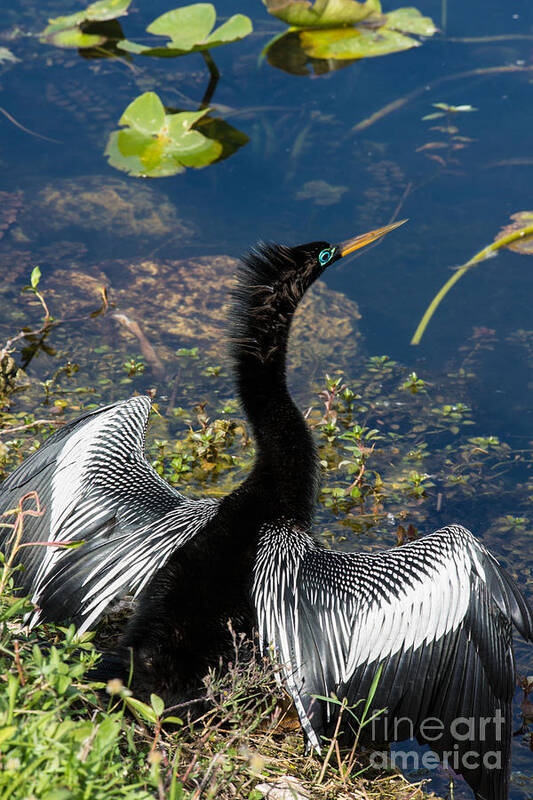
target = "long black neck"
x: 286, y: 469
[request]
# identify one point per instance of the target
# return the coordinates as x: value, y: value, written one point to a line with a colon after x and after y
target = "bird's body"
x: 435, y: 616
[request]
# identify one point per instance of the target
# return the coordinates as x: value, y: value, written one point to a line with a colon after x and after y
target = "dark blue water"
x: 301, y: 130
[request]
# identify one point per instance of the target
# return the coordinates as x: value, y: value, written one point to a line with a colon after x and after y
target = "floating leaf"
x: 73, y: 37
x: 410, y: 20
x: 375, y: 36
x: 286, y: 53
x: 66, y: 31
x: 146, y: 114
x: 190, y: 29
x: 187, y: 26
x: 322, y: 13
x: 524, y: 243
x: 352, y: 43
x: 155, y: 144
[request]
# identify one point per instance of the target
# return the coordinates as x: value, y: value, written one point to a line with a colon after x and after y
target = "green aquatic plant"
x: 343, y: 30
x: 74, y: 30
x: 190, y: 30
x: 322, y: 13
x: 155, y: 144
x: 519, y: 233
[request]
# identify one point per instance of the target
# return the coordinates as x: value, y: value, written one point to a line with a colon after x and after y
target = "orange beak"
x: 366, y: 238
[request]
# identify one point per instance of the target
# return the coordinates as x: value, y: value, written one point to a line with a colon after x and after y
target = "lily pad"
x: 322, y: 13
x: 73, y: 37
x: 352, y: 43
x: 374, y: 36
x: 286, y: 53
x: 190, y: 29
x: 68, y: 32
x: 524, y: 245
x: 410, y: 20
x: 155, y: 144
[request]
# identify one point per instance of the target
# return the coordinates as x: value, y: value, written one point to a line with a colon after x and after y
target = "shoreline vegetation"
x: 63, y: 737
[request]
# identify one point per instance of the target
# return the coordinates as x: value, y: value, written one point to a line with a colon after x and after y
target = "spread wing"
x: 96, y: 487
x: 435, y: 616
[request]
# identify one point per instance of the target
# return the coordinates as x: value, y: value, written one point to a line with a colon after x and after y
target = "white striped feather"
x: 100, y: 473
x: 366, y: 607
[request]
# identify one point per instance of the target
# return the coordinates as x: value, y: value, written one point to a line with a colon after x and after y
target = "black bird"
x: 435, y: 616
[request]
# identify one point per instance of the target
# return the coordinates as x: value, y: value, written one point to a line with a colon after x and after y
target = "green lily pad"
x: 146, y: 114
x: 322, y: 13
x: 73, y: 37
x: 190, y: 29
x: 286, y: 53
x: 187, y: 26
x: 352, y: 43
x: 410, y: 20
x: 155, y: 144
x: 66, y: 31
x: 374, y: 36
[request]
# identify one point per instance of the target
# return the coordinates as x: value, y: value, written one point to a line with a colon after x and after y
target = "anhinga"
x: 435, y: 615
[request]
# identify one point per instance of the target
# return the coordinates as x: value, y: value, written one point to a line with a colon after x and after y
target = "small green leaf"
x: 131, y: 47
x: 157, y: 704
x: 73, y: 37
x: 107, y: 9
x: 185, y: 26
x: 350, y: 43
x: 142, y: 709
x: 235, y: 28
x: 65, y: 31
x: 35, y: 277
x: 410, y: 20
x: 322, y: 13
x: 175, y: 720
x: 146, y: 114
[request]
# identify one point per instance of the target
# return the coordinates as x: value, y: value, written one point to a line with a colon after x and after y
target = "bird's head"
x: 313, y: 258
x: 271, y: 283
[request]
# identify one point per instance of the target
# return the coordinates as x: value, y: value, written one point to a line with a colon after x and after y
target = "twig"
x: 18, y: 664
x: 27, y: 130
x: 331, y: 744
x: 31, y: 425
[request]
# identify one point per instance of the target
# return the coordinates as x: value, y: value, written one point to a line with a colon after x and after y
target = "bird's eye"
x: 326, y: 255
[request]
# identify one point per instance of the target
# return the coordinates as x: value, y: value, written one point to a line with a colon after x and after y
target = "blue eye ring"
x: 326, y: 255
